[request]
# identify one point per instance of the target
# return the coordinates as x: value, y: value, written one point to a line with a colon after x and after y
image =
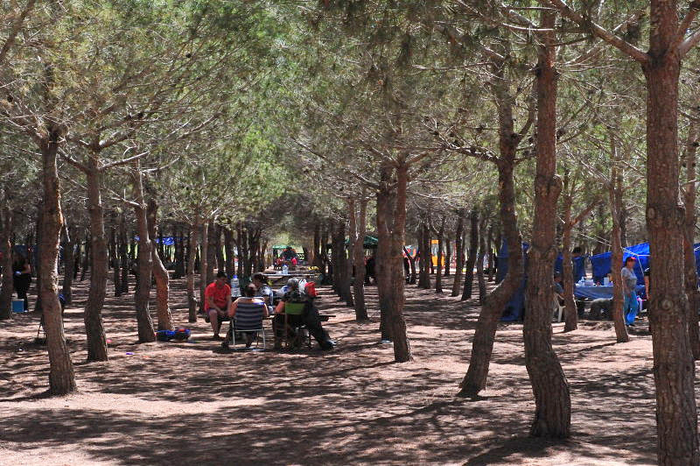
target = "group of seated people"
x: 258, y: 295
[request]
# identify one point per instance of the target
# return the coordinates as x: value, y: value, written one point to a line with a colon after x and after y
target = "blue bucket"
x: 17, y: 306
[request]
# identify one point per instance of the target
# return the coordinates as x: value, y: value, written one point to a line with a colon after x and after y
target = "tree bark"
x: 96, y: 340
x: 145, y: 262
x: 674, y: 370
x: 228, y: 248
x: 191, y: 255
x: 160, y: 273
x: 211, y: 252
x: 570, y: 311
x: 425, y: 257
x: 480, y: 260
x: 87, y: 257
x: 440, y: 260
x: 61, y: 375
x: 459, y: 254
x: 471, y: 258
x: 124, y: 253
x: 6, y: 253
x: 203, y: 264
x: 179, y: 243
x: 397, y: 323
x: 36, y: 257
x: 385, y: 205
x: 358, y: 229
x: 549, y: 384
x: 116, y: 277
x: 484, y: 336
x: 491, y: 261
x: 615, y: 196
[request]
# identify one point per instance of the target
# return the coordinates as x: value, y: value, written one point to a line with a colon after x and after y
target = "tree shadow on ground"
x: 165, y: 403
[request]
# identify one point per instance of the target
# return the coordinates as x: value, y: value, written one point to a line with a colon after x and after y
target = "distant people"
x: 217, y: 300
x: 22, y: 278
x: 309, y: 317
x: 406, y: 268
x: 370, y: 265
x: 248, y: 306
x: 629, y: 284
x: 263, y: 290
x: 558, y: 289
x: 288, y: 254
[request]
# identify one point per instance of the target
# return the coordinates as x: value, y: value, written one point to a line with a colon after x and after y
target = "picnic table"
x: 598, y: 292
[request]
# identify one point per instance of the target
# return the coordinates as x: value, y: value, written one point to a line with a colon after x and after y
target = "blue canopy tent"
x: 602, y: 262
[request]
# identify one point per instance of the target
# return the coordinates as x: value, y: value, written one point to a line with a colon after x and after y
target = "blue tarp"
x: 602, y: 262
x: 167, y: 240
x: 515, y: 307
x: 579, y: 266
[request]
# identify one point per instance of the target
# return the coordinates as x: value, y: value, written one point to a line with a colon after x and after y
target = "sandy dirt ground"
x: 191, y: 403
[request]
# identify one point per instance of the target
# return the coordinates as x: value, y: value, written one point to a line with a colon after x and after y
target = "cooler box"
x: 17, y: 305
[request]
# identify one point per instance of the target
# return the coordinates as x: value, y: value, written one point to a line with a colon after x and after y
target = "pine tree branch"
x: 14, y: 31
x: 600, y: 31
x: 678, y: 42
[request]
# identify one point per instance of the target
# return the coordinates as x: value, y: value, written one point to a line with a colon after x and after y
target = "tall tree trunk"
x: 347, y: 275
x: 191, y: 256
x: 425, y: 257
x: 440, y: 256
x: 61, y: 375
x: 240, y: 249
x: 78, y: 261
x: 448, y: 256
x: 358, y: 227
x: 69, y: 259
x: 480, y: 260
x: 385, y: 205
x: 160, y: 273
x: 96, y: 341
x: 204, y: 265
x: 615, y: 196
x: 6, y: 253
x: 691, y: 273
x: 471, y: 258
x: 674, y: 370
x: 211, y: 253
x: 397, y: 323
x: 145, y: 261
x: 179, y: 243
x: 549, y: 385
x: 484, y: 336
x: 318, y: 247
x: 570, y: 311
x: 37, y: 254
x: 228, y: 248
x: 124, y: 253
x: 491, y: 261
x: 116, y: 277
x: 87, y: 257
x: 459, y: 254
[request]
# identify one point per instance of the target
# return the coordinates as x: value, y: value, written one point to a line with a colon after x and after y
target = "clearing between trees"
x: 191, y: 403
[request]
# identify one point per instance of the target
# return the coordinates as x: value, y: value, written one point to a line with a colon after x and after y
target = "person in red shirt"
x: 217, y: 299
